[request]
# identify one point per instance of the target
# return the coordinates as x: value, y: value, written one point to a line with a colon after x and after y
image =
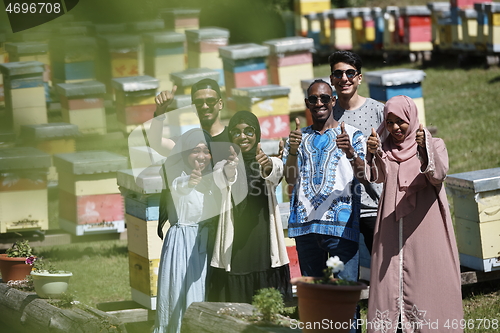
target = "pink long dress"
x: 415, y: 270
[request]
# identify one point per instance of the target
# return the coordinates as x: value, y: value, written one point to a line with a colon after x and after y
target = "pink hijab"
x: 410, y: 178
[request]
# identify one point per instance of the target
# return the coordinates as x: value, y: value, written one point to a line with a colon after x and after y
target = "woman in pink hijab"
x: 415, y: 281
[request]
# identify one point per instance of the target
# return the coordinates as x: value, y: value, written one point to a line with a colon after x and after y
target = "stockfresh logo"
x: 26, y: 14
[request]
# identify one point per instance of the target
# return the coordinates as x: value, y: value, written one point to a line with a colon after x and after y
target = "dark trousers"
x: 367, y: 228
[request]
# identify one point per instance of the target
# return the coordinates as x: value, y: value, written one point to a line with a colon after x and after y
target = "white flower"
x: 335, y: 264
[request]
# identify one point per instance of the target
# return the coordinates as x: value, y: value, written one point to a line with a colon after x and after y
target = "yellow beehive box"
x: 475, y: 197
x: 28, y: 97
x: 303, y: 7
x: 89, y: 121
x: 58, y: 146
x: 263, y: 101
x: 479, y: 240
x: 12, y: 218
x: 143, y: 273
x: 142, y: 237
x: 100, y: 183
x: 290, y: 76
x: 23, y: 189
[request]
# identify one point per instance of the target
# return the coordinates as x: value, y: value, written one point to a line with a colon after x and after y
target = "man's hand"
x: 163, y: 100
x: 344, y: 143
x: 295, y: 137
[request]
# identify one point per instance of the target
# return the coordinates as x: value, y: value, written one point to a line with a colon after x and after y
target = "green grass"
x: 100, y: 269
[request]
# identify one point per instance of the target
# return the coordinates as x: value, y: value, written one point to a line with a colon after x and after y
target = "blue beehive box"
x: 386, y: 84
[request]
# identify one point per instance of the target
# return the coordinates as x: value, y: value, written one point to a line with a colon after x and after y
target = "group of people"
x: 362, y: 167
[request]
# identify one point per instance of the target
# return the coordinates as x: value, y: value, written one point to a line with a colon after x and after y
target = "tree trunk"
x: 205, y: 317
x: 26, y: 312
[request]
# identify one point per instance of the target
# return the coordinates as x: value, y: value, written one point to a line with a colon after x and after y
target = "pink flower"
x: 30, y: 260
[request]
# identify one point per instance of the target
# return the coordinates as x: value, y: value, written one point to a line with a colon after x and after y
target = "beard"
x: 207, y: 123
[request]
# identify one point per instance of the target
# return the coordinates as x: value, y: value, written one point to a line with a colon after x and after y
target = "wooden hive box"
x: 164, y: 53
x: 82, y: 104
x: 417, y: 28
x: 52, y: 138
x: 203, y: 49
x: 23, y: 189
x: 244, y: 65
x: 135, y: 100
x: 142, y: 196
x: 118, y: 57
x: 340, y: 29
x: 143, y: 279
x: 186, y: 78
x: 385, y: 84
x: 181, y: 19
x: 270, y: 104
x: 84, y: 177
x: 73, y: 59
x: 23, y: 79
x: 290, y: 61
x: 139, y: 28
x: 493, y: 12
x: 476, y: 201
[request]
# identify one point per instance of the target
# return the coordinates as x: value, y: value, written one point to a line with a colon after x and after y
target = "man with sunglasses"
x: 321, y: 161
x: 363, y: 113
x: 207, y: 98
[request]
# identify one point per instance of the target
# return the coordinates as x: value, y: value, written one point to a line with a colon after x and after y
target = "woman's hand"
x: 420, y: 136
x: 231, y: 164
x: 195, y: 177
x: 373, y: 142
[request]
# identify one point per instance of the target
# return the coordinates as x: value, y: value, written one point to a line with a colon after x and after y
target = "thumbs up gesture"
x: 295, y: 137
x: 420, y: 136
x: 373, y: 142
x: 262, y: 158
x: 164, y: 99
x: 344, y: 143
x: 195, y: 177
x: 231, y: 164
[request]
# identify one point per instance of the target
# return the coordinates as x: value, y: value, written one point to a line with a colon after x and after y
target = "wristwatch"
x: 354, y: 157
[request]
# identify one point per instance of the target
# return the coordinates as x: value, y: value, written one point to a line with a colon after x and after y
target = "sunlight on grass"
x: 100, y: 269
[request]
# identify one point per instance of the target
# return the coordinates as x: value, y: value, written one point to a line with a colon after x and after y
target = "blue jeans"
x: 313, y: 251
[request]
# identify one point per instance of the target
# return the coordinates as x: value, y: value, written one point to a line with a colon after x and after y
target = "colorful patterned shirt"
x: 326, y: 198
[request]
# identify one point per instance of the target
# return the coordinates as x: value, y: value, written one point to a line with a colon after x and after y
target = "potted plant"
x: 13, y: 264
x: 48, y: 281
x: 327, y: 302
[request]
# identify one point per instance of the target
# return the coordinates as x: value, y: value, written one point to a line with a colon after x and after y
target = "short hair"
x: 319, y: 81
x: 347, y: 57
x: 205, y: 84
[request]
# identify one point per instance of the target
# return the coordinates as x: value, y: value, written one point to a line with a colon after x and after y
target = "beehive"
x: 270, y: 105
x: 82, y: 104
x: 135, y: 100
x: 73, y: 59
x: 139, y: 28
x: 89, y: 199
x: 165, y: 53
x: 476, y: 201
x: 186, y: 78
x: 203, y: 49
x: 23, y: 183
x: 340, y: 29
x: 289, y: 62
x: 181, y: 19
x: 118, y: 57
x: 24, y: 93
x: 386, y: 84
x: 52, y: 138
x: 244, y: 65
x: 417, y: 28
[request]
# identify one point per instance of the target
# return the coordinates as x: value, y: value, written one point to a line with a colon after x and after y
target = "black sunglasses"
x: 325, y: 99
x: 350, y: 73
x: 248, y: 131
x: 209, y: 101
